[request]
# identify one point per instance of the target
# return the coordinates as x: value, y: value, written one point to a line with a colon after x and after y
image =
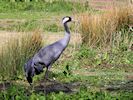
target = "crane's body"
x: 47, y: 55
x: 51, y: 52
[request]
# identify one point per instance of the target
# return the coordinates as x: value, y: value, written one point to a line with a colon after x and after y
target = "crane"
x: 46, y: 56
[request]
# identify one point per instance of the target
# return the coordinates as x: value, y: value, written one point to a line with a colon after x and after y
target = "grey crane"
x: 46, y: 56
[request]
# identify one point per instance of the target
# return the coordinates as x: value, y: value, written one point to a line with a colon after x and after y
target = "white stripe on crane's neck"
x: 65, y: 20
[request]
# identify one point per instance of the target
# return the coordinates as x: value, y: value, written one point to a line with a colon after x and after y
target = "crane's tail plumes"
x: 38, y: 70
x: 30, y: 70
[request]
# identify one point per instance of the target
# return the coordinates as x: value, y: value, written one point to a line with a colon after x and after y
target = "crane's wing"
x: 49, y: 54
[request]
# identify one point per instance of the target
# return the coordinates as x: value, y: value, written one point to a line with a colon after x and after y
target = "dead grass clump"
x: 103, y: 29
x: 16, y: 53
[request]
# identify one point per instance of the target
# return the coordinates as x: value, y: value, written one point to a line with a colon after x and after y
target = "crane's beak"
x: 75, y: 21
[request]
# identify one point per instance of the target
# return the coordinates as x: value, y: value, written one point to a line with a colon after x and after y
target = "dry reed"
x: 17, y: 52
x: 105, y: 29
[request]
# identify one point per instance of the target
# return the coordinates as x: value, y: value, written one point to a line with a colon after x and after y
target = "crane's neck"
x: 66, y: 28
x: 66, y: 38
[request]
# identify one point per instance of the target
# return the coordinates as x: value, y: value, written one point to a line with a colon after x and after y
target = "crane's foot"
x: 32, y: 87
x: 51, y: 80
x: 44, y: 88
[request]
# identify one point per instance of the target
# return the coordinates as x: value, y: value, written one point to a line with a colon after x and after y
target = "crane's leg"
x: 51, y: 80
x: 46, y: 73
x: 45, y: 79
x: 32, y: 87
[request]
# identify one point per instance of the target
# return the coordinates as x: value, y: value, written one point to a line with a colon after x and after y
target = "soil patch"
x: 124, y: 86
x: 48, y: 87
x: 4, y: 86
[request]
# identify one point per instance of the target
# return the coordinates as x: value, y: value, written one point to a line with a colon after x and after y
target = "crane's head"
x: 66, y: 19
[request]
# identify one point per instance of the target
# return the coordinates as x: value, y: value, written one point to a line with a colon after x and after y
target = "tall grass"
x: 107, y: 29
x: 54, y: 6
x: 16, y: 53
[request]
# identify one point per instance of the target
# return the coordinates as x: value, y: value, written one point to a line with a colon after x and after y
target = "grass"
x: 102, y: 73
x: 26, y: 16
x: 94, y: 77
x: 38, y: 6
x: 31, y: 25
x: 16, y: 53
x: 92, y: 87
x: 47, y: 8
x: 107, y: 29
x: 94, y: 74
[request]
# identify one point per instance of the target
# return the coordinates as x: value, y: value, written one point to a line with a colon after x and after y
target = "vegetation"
x: 99, y: 68
x: 31, y: 14
x: 56, y: 6
x: 109, y: 29
x: 16, y: 53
